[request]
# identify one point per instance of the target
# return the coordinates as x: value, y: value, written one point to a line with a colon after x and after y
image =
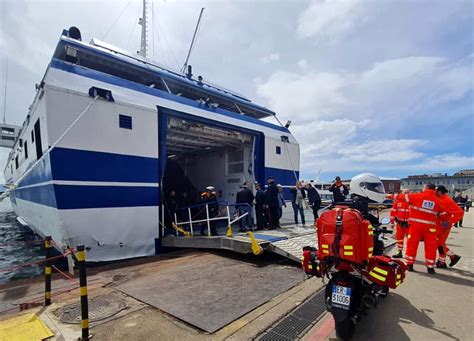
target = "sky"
x: 375, y: 86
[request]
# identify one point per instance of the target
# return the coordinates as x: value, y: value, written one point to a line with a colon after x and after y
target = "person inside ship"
x: 209, y: 197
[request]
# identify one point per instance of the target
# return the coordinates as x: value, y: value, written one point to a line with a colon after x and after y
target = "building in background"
x: 462, y: 181
x: 391, y: 185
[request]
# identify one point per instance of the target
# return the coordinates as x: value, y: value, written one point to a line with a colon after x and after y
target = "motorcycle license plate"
x: 341, y: 297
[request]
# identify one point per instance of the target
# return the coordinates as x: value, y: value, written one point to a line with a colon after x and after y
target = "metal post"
x: 48, y: 245
x: 81, y: 264
x: 190, y: 221
x: 208, y: 222
x: 228, y: 215
x: 176, y: 223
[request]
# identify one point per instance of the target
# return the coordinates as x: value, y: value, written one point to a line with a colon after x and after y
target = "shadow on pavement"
x: 386, y: 321
x: 450, y: 279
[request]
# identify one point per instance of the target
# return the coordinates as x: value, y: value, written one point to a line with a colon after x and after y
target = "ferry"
x: 109, y: 134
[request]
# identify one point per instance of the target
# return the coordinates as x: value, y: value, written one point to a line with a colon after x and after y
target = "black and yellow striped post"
x: 81, y: 264
x: 48, y: 248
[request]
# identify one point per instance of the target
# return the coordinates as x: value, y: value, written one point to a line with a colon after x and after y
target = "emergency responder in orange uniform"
x: 455, y: 214
x: 399, y: 214
x: 426, y: 212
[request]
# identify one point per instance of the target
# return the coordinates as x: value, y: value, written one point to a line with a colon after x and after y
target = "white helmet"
x: 369, y: 186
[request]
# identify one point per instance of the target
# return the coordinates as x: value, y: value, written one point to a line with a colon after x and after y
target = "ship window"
x: 278, y: 150
x: 16, y: 162
x: 125, y: 121
x: 26, y: 150
x: 32, y: 136
x: 21, y: 143
x: 285, y: 139
x: 11, y: 167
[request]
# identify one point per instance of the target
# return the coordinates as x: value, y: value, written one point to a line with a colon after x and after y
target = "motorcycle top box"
x: 343, y: 233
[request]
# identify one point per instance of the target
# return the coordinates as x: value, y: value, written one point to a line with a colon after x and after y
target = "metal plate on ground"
x: 212, y: 291
x: 100, y: 308
x: 292, y: 248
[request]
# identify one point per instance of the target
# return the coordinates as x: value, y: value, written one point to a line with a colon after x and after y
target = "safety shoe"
x: 398, y: 254
x: 410, y: 268
x: 454, y: 260
x: 441, y: 265
x: 431, y: 271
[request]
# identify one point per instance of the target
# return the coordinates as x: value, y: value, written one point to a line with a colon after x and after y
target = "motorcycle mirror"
x: 385, y: 221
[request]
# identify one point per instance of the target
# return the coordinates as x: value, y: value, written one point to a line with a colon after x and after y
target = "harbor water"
x: 18, y: 245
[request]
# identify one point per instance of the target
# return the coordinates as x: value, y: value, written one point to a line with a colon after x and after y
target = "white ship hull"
x: 100, y: 183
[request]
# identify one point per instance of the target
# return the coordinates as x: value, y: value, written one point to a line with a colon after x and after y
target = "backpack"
x: 345, y: 234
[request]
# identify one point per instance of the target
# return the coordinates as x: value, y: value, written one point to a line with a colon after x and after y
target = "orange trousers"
x: 400, y: 234
x: 430, y: 237
x: 442, y: 237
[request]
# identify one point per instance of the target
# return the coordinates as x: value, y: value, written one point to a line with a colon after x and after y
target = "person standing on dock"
x: 245, y: 199
x: 314, y: 200
x: 281, y: 201
x: 259, y: 206
x: 271, y: 203
x: 298, y: 202
x: 339, y: 190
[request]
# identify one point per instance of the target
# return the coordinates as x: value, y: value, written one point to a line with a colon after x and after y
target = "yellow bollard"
x: 256, y: 248
x: 229, y: 232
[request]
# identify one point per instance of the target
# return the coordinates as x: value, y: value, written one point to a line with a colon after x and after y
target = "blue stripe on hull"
x: 84, y: 165
x: 79, y: 197
x: 41, y: 173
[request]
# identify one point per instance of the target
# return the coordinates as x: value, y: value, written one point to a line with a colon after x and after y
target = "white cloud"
x: 390, y: 90
x: 340, y: 117
x: 328, y: 18
x: 272, y: 57
x: 303, y: 64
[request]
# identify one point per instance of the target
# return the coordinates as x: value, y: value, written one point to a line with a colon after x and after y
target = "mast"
x: 5, y: 94
x: 144, y: 40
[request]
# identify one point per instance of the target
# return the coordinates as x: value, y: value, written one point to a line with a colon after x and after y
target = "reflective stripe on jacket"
x: 399, y: 210
x: 425, y: 208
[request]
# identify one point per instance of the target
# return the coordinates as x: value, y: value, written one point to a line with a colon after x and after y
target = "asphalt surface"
x: 425, y: 307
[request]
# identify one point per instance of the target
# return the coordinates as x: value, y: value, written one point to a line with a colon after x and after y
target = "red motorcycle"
x: 350, y: 254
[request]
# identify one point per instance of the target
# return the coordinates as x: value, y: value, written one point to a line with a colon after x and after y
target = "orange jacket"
x: 426, y: 209
x: 399, y: 210
x: 455, y: 213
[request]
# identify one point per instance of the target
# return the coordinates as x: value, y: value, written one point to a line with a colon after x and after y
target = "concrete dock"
x: 174, y: 297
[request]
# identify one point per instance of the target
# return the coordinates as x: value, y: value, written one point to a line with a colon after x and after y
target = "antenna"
x: 183, y: 70
x: 5, y: 94
x: 142, y: 21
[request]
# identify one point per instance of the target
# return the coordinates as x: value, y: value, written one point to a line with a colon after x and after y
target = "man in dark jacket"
x: 339, y: 190
x: 458, y: 199
x: 245, y: 199
x: 259, y: 206
x: 271, y: 203
x: 314, y: 200
x: 209, y: 197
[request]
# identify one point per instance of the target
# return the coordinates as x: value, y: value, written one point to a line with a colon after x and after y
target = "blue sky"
x: 380, y: 86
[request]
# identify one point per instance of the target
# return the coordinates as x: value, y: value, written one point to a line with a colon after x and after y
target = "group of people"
x: 428, y: 216
x: 267, y: 203
x: 298, y: 201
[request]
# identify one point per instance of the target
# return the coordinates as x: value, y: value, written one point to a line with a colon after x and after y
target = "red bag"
x: 310, y: 263
x: 342, y: 232
x: 385, y: 271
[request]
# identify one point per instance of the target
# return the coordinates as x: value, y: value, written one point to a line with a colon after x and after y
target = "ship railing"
x: 229, y: 212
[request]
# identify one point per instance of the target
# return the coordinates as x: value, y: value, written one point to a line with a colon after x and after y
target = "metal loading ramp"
x: 292, y: 248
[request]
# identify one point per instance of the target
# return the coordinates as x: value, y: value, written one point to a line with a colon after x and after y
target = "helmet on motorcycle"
x: 369, y: 186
